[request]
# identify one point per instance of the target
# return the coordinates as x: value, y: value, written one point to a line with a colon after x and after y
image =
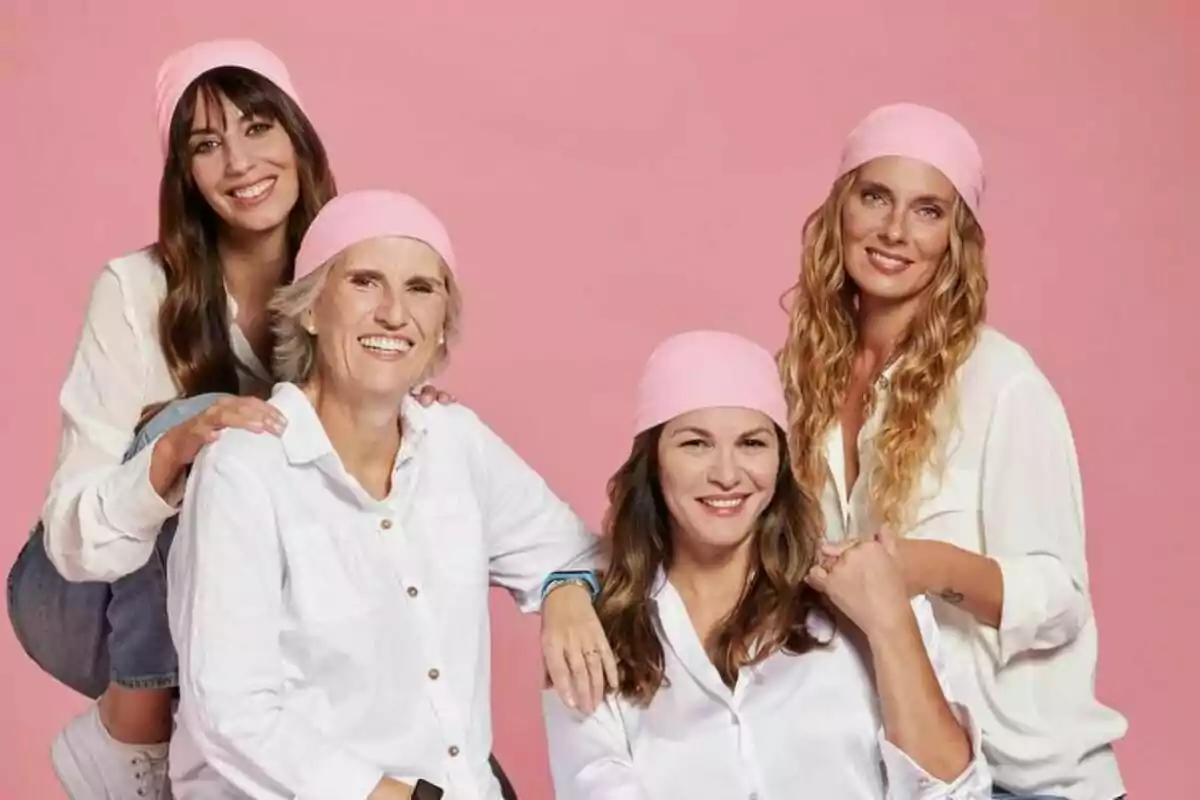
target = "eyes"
x: 370, y: 280
x: 210, y: 142
x: 874, y: 198
x: 749, y: 442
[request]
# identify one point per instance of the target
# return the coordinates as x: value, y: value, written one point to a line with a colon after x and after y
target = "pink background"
x: 614, y: 172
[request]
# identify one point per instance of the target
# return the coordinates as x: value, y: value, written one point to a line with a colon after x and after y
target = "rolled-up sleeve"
x: 1032, y: 509
x: 906, y: 780
x: 101, y: 516
x: 530, y: 531
x: 226, y: 613
x: 589, y: 754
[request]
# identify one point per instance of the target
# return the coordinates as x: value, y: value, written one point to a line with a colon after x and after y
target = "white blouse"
x: 1010, y: 490
x: 101, y: 517
x: 326, y: 638
x: 793, y: 726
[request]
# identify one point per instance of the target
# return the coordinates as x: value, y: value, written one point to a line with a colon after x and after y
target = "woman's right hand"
x: 178, y: 447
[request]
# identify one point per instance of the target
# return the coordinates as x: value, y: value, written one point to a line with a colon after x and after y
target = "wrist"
x: 895, y: 630
x: 583, y: 579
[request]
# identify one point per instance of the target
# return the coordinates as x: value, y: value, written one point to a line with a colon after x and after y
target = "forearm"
x: 959, y: 577
x: 165, y: 469
x: 389, y: 789
x: 916, y: 717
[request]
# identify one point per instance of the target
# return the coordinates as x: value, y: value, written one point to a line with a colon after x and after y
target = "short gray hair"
x: 295, y: 354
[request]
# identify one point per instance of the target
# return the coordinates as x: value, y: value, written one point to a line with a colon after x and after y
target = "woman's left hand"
x: 426, y: 395
x: 577, y: 656
x: 865, y: 580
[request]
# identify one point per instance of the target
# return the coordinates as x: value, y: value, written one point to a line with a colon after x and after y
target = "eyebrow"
x: 693, y: 430
x: 243, y: 116
x: 371, y: 272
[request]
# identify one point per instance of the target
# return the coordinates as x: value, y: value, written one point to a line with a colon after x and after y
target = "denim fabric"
x: 999, y: 793
x: 88, y: 635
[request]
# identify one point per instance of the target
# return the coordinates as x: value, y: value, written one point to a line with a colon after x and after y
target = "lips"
x: 388, y: 347
x: 723, y: 505
x: 886, y: 262
x: 252, y: 192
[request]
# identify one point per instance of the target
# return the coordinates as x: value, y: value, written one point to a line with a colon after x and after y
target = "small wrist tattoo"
x: 950, y: 596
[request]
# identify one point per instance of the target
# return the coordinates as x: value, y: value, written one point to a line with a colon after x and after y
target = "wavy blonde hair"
x: 815, y: 363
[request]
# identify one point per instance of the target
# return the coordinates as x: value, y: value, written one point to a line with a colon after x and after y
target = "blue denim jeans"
x: 999, y: 793
x: 88, y: 635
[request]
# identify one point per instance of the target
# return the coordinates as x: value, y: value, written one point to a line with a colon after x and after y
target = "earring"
x: 441, y: 340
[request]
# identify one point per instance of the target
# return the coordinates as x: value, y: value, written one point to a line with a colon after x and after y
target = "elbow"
x: 950, y: 761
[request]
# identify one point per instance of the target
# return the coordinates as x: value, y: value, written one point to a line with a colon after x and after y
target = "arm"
x: 530, y: 531
x: 589, y: 754
x: 101, y: 516
x: 931, y: 745
x: 226, y: 612
x: 1032, y: 583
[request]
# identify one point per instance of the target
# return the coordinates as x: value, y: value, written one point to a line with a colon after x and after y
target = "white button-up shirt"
x: 792, y: 726
x: 101, y: 517
x: 326, y: 638
x: 1011, y: 491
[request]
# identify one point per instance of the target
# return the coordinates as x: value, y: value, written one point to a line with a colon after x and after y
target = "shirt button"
x: 386, y: 524
x: 754, y: 796
x: 434, y: 674
x: 412, y: 591
x: 453, y: 751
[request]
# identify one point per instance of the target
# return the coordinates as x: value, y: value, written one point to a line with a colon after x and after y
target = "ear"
x: 309, y: 323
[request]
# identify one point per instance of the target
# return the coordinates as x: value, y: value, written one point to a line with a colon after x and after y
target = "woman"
x: 329, y: 587
x: 909, y: 413
x: 244, y: 173
x: 735, y: 680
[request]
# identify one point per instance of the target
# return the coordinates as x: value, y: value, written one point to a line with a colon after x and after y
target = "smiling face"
x: 717, y: 471
x: 380, y: 318
x: 896, y: 227
x: 244, y: 166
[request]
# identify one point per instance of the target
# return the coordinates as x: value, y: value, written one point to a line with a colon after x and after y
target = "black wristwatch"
x: 424, y: 790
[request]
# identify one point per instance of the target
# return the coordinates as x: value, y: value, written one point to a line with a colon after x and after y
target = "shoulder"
x: 241, y: 455
x: 1000, y: 368
x: 135, y: 281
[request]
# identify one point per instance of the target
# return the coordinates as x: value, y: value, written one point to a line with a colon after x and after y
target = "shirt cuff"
x: 906, y: 780
x: 1040, y: 607
x: 339, y: 774
x: 131, y: 505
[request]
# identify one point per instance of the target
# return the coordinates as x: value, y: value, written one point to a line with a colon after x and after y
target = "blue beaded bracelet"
x: 572, y: 576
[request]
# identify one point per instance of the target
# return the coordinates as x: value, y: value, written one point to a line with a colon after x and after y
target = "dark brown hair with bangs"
x: 193, y: 326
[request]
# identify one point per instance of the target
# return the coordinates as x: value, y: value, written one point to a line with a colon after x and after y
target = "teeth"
x: 256, y: 190
x: 723, y: 503
x: 899, y: 262
x: 386, y: 343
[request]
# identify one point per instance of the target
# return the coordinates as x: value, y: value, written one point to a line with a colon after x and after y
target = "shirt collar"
x: 305, y: 440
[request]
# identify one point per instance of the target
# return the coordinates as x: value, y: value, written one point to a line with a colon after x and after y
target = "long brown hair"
x: 192, y: 322
x: 774, y: 606
x: 815, y: 362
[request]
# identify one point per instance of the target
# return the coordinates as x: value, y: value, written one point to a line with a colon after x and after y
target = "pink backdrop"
x: 617, y: 171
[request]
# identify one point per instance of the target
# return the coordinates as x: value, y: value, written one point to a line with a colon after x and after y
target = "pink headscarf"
x: 708, y: 369
x: 183, y: 67
x: 923, y: 133
x: 354, y: 217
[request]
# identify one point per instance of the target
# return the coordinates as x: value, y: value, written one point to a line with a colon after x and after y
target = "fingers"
x: 446, y: 399
x: 581, y: 682
x: 887, y: 537
x: 247, y: 413
x: 818, y: 578
x: 595, y: 677
x: 560, y: 673
x: 426, y: 395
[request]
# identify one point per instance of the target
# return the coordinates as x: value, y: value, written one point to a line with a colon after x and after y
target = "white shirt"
x: 793, y: 726
x: 326, y: 638
x: 1011, y: 490
x: 101, y: 517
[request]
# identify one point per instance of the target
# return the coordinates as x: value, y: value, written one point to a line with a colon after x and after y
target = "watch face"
x: 424, y: 790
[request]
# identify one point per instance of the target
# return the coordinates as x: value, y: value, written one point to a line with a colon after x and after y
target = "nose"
x: 895, y: 228
x: 392, y: 311
x: 723, y: 471
x: 237, y: 155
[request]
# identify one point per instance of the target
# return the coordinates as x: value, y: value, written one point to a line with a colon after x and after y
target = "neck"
x: 710, y: 580
x: 365, y: 432
x: 253, y: 264
x: 881, y: 324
